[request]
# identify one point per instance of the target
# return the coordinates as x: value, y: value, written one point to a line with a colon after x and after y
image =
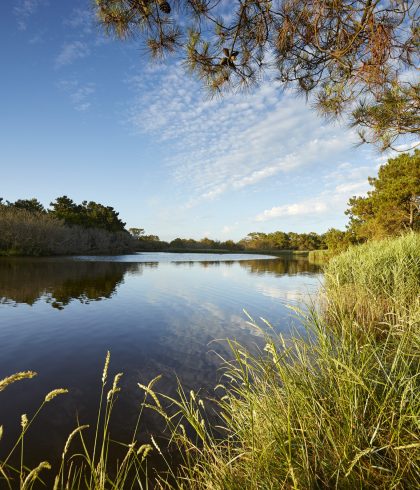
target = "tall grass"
x: 377, y: 280
x: 83, y: 464
x: 337, y: 407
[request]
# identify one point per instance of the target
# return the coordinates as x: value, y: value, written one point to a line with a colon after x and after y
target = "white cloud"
x: 308, y: 207
x: 79, y: 94
x: 220, y: 145
x: 24, y: 9
x: 326, y: 202
x: 82, y: 20
x: 71, y: 52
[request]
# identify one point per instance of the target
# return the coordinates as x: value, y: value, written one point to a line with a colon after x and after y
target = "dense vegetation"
x: 254, y: 241
x: 336, y: 409
x: 27, y: 228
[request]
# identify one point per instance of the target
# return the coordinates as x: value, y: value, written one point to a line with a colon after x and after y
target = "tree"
x: 87, y: 214
x: 99, y: 216
x: 136, y: 232
x: 350, y: 55
x: 337, y: 241
x: 32, y: 205
x: 67, y: 210
x: 393, y: 205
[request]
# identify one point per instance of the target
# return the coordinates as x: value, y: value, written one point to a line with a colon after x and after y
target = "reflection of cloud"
x: 293, y: 296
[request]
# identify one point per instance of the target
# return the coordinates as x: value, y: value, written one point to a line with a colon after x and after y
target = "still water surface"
x: 157, y: 313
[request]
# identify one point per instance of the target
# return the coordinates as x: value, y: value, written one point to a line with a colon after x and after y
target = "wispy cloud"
x: 71, y: 52
x: 24, y: 9
x: 224, y: 145
x: 79, y: 93
x: 325, y: 202
x: 82, y: 20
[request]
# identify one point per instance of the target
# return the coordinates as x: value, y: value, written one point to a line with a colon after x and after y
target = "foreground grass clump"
x: 336, y: 411
x: 83, y: 464
x: 337, y: 408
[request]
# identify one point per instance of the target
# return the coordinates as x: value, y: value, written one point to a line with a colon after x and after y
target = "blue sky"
x: 93, y: 118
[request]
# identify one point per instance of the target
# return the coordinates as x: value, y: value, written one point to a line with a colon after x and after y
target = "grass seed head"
x: 4, y: 383
x: 54, y: 393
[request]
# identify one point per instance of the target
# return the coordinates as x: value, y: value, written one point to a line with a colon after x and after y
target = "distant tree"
x: 66, y: 209
x: 150, y: 238
x: 32, y: 205
x: 351, y: 56
x: 177, y: 243
x: 280, y: 240
x: 100, y: 216
x: 337, y: 241
x: 88, y: 214
x: 136, y: 232
x: 231, y: 245
x: 393, y: 205
x: 207, y: 243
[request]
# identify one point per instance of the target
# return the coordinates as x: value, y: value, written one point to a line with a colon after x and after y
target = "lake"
x: 158, y: 313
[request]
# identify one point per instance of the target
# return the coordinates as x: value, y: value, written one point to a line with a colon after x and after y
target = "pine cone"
x: 164, y: 7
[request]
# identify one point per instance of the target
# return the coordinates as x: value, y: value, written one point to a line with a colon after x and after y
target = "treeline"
x: 27, y: 228
x: 277, y: 240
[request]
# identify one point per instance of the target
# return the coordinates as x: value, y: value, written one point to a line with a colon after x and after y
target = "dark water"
x: 157, y: 313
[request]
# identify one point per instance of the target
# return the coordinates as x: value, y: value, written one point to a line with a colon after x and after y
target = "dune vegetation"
x: 26, y: 228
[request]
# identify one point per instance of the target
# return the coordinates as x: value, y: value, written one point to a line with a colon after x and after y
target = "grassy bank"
x: 336, y: 408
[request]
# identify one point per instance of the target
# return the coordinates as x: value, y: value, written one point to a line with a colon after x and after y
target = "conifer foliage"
x: 352, y: 57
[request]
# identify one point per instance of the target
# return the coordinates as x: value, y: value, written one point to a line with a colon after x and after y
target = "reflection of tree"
x: 60, y: 281
x: 280, y: 266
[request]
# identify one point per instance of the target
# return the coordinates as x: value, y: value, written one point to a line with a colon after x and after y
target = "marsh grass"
x: 336, y: 407
x: 376, y: 281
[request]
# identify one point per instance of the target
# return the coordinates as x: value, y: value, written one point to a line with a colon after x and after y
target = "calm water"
x: 157, y: 313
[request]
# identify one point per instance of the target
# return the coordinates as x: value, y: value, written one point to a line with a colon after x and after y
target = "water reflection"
x: 156, y: 317
x: 59, y: 281
x: 280, y: 267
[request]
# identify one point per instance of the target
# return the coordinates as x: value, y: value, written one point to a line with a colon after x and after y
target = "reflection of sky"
x: 163, y: 257
x: 162, y: 319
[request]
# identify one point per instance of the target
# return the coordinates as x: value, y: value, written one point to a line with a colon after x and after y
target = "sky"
x: 94, y: 118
